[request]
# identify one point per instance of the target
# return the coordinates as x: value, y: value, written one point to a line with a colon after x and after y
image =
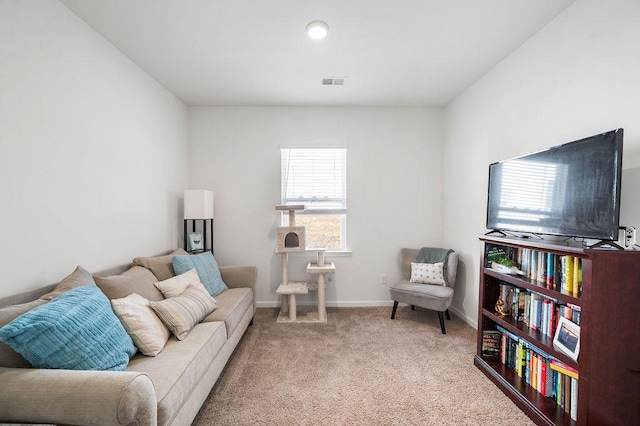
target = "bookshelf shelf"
x: 520, y: 329
x: 601, y: 300
x: 535, y: 287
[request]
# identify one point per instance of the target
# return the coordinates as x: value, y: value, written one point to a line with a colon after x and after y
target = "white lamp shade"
x: 198, y: 204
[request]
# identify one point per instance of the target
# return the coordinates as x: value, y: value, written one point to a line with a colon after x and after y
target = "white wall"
x: 394, y: 188
x: 577, y: 77
x: 92, y: 151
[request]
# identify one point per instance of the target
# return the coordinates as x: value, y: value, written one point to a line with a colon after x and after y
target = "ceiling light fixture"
x: 317, y: 30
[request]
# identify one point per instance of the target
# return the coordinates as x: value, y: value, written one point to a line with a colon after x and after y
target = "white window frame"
x: 334, y: 202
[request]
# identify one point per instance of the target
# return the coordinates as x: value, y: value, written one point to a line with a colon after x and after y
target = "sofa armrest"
x: 239, y: 276
x: 30, y: 395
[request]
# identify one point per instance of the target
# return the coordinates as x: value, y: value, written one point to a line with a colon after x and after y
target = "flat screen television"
x: 570, y: 190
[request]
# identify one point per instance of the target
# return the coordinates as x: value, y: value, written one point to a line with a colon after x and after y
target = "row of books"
x: 562, y: 273
x: 543, y: 372
x: 538, y: 312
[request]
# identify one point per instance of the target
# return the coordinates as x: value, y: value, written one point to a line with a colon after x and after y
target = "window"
x: 317, y: 178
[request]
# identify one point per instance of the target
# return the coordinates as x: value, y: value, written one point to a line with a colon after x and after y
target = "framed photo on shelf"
x: 196, y: 242
x: 567, y: 338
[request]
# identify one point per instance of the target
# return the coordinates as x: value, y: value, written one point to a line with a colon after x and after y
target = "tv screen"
x: 570, y: 190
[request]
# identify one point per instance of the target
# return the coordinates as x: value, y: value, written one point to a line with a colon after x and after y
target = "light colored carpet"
x: 359, y: 368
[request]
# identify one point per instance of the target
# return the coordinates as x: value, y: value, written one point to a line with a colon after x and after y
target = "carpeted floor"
x: 360, y: 368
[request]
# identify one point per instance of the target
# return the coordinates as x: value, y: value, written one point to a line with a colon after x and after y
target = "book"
x: 561, y: 389
x: 543, y: 377
x: 545, y: 317
x: 541, y: 277
x: 557, y: 273
x: 522, y: 303
x: 564, y: 369
x: 567, y: 394
x: 499, y: 254
x: 515, y: 305
x: 514, y: 362
x: 550, y: 271
x: 574, y: 399
x: 525, y: 257
x: 491, y: 343
x: 577, y: 276
x: 533, y: 375
x: 575, y: 313
x: 567, y: 280
x: 506, y: 296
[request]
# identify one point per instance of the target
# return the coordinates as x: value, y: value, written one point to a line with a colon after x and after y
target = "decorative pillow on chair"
x: 427, y: 273
x: 207, y: 268
x: 141, y: 323
x: 181, y: 313
x: 177, y: 285
x: 75, y: 331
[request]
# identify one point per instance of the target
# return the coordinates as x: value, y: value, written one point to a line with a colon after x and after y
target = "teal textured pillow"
x: 77, y: 330
x: 207, y: 269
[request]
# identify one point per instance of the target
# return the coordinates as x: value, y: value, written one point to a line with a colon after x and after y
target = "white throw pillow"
x: 142, y: 324
x: 427, y: 273
x: 177, y: 285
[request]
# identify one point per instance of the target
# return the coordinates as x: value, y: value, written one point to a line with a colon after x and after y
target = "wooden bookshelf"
x: 609, y: 359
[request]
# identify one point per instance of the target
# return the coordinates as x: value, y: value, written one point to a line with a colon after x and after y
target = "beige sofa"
x: 167, y: 389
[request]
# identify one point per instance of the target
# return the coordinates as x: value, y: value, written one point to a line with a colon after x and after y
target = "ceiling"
x: 256, y: 52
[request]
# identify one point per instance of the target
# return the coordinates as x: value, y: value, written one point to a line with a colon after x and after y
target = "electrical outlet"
x: 630, y: 236
x: 383, y: 279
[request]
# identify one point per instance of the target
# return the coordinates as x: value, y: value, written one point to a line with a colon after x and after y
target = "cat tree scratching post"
x: 292, y: 238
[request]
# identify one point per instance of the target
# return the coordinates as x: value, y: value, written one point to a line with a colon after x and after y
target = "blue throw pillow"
x: 77, y: 330
x: 207, y: 269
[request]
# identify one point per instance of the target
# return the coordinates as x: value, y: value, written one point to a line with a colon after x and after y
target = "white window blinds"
x: 315, y: 177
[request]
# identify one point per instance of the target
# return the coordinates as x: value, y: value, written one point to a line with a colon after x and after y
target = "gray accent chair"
x: 428, y: 296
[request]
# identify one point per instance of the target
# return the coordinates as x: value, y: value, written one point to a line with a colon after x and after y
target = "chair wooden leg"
x: 441, y: 318
x: 393, y: 312
x: 446, y: 312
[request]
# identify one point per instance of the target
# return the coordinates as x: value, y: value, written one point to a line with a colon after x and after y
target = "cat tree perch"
x: 292, y: 239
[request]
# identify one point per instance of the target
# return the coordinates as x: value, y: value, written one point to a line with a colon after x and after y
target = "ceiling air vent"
x: 333, y: 81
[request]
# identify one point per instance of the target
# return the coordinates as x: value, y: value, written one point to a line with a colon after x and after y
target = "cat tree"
x: 292, y: 239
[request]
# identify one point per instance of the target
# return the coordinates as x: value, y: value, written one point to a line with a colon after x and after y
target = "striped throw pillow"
x: 181, y: 313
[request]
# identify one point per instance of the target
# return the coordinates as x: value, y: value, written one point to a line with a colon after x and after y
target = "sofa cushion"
x: 79, y: 277
x: 75, y: 331
x: 8, y: 357
x: 175, y: 286
x: 182, y: 312
x: 137, y: 280
x: 180, y: 366
x: 161, y: 266
x: 207, y: 268
x: 142, y: 324
x: 232, y: 306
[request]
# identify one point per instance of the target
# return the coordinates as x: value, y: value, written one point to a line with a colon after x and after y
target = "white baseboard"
x: 368, y: 303
x: 472, y: 322
x: 334, y: 304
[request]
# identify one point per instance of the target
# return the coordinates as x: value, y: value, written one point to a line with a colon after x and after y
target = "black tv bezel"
x: 619, y: 137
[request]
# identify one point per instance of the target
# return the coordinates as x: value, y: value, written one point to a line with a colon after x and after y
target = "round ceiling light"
x: 317, y: 30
